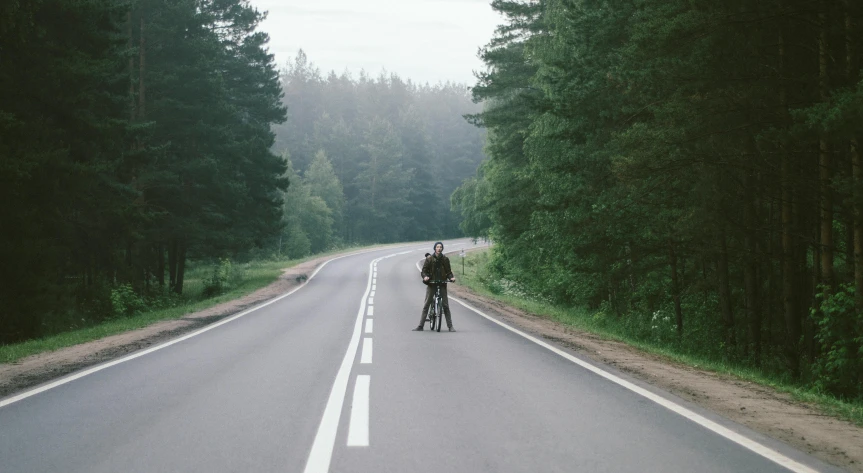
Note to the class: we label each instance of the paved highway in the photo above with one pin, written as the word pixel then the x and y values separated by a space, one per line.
pixel 330 378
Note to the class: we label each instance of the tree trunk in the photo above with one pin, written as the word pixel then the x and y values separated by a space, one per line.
pixel 753 312
pixel 825 162
pixel 142 56
pixel 856 168
pixel 675 289
pixel 131 69
pixel 725 293
pixel 858 224
pixel 814 288
pixel 848 211
pixel 630 271
pixel 789 296
pixel 172 263
pixel 181 266
pixel 160 264
pixel 772 244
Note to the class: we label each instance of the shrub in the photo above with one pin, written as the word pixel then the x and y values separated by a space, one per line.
pixel 125 301
pixel 839 368
pixel 218 283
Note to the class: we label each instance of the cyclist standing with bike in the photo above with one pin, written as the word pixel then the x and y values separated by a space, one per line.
pixel 436 272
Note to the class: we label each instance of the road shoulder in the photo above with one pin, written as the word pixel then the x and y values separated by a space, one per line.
pixel 759 408
pixel 43 367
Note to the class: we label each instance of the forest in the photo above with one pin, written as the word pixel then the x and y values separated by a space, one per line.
pixel 139 138
pixel 687 168
pixel 379 156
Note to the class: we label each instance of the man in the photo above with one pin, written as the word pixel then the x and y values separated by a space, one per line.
pixel 436 268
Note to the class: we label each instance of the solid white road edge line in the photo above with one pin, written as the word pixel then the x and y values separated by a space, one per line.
pixel 729 434
pixel 358 432
pixel 81 374
pixel 366 357
pixel 322 449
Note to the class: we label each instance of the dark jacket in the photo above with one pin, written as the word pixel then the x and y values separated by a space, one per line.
pixel 437 268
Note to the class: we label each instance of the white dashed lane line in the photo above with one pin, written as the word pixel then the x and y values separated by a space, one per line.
pixel 358 432
pixel 321 453
pixel 366 357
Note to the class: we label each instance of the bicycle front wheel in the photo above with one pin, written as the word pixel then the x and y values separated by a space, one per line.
pixel 432 319
pixel 439 312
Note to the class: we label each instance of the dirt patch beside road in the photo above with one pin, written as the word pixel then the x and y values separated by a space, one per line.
pixel 760 408
pixel 38 369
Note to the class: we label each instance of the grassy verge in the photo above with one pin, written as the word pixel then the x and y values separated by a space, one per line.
pixel 245 279
pixel 476 277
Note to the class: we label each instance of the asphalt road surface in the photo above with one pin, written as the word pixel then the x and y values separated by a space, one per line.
pixel 330 378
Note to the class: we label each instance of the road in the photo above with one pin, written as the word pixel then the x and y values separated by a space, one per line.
pixel 331 379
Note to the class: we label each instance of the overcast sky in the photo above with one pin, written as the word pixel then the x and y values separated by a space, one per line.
pixel 421 40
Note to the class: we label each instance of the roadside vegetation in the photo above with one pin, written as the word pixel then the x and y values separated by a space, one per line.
pixel 653 333
pixel 688 171
pixel 208 284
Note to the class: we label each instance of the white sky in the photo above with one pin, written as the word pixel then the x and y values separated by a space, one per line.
pixel 421 40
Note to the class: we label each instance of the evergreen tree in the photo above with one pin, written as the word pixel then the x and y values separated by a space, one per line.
pixel 307 221
pixel 323 183
pixel 697 159
pixel 129 131
pixel 382 184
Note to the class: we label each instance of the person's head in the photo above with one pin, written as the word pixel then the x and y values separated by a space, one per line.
pixel 428 254
pixel 438 248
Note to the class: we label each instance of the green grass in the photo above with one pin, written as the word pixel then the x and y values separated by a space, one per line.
pixel 245 279
pixel 477 277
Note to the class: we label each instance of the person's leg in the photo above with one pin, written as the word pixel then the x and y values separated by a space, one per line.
pixel 428 301
pixel 445 303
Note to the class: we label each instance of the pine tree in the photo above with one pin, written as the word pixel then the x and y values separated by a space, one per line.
pixel 323 183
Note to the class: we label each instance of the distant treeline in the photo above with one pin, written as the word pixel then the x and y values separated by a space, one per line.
pixel 383 155
pixel 687 166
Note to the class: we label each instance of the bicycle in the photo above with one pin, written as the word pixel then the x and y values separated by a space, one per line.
pixel 436 310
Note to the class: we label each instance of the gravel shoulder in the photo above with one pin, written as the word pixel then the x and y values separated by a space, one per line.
pixel 760 408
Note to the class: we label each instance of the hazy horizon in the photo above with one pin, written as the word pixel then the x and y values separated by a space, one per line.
pixel 421 40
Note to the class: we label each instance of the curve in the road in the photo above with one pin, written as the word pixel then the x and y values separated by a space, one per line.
pixel 95 369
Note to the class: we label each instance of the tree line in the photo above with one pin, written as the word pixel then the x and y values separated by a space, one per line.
pixel 134 136
pixel 375 159
pixel 690 163
pixel 137 136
